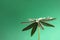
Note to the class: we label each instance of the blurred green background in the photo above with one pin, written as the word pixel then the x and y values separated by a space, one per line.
pixel 12 12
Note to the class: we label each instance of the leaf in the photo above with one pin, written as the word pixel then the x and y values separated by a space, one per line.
pixel 24 22
pixel 34 28
pixel 47 24
pixel 40 25
pixel 28 27
pixel 47 19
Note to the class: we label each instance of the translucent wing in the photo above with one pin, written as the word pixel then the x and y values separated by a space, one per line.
pixel 34 28
pixel 47 24
pixel 28 27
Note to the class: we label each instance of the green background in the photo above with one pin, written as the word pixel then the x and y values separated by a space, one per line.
pixel 12 12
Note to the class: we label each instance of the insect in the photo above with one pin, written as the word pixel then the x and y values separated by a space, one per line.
pixel 40 22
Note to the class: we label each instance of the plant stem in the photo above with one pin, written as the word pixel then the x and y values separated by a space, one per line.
pixel 38 33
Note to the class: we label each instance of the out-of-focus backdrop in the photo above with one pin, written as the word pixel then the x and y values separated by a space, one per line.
pixel 12 12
